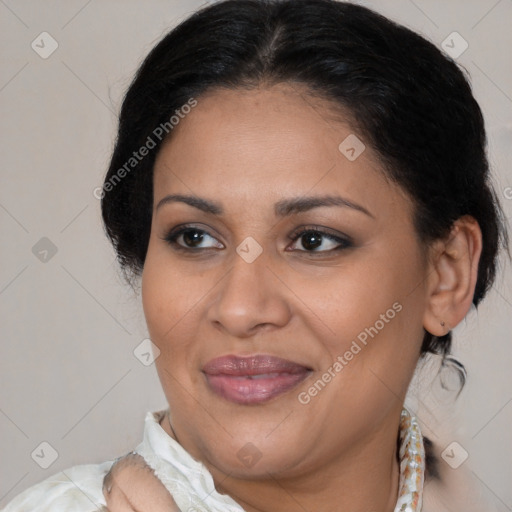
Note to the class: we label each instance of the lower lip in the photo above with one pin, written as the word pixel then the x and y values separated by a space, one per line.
pixel 242 390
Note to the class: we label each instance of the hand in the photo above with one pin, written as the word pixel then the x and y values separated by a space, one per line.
pixel 131 486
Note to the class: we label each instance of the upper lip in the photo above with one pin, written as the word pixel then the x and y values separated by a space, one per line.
pixel 251 365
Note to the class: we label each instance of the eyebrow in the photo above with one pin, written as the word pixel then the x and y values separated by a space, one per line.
pixel 282 208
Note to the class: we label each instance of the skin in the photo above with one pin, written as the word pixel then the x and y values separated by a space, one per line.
pixel 248 149
pixel 129 474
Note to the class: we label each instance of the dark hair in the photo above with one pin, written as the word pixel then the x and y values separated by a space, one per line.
pixel 405 98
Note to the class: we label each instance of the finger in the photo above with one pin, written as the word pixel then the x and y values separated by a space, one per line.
pixel 119 465
pixel 150 495
pixel 132 483
pixel 117 501
pixel 115 498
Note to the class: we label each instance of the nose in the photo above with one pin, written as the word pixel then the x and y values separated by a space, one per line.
pixel 249 298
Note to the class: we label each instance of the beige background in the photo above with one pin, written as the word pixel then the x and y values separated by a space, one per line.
pixel 69 325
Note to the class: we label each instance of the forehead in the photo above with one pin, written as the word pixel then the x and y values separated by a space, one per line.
pixel 281 122
pixel 246 145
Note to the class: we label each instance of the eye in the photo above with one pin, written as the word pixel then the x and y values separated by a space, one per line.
pixel 191 239
pixel 313 237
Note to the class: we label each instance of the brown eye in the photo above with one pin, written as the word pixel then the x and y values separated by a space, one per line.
pixel 190 238
pixel 313 238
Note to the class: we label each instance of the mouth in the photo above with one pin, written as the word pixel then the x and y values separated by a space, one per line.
pixel 253 379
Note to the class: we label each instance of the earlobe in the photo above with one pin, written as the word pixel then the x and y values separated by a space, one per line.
pixel 452 276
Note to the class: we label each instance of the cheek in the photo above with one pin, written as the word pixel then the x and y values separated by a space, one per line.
pixel 355 297
pixel 168 309
pixel 373 310
pixel 166 299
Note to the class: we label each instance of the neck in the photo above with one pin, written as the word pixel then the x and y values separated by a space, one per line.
pixel 364 477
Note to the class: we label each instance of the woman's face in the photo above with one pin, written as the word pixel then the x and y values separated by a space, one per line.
pixel 318 335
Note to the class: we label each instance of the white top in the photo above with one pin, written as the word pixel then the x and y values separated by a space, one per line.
pixel 79 488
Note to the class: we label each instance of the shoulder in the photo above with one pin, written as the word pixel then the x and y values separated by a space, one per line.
pixel 76 489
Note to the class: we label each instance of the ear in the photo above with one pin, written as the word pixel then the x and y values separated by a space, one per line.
pixel 452 276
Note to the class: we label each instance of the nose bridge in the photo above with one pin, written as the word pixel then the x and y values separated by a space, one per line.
pixel 249 294
pixel 247 279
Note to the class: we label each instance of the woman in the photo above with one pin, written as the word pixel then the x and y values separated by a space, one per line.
pixel 303 190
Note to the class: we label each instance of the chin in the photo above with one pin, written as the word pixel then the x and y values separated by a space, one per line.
pixel 250 462
pixel 255 456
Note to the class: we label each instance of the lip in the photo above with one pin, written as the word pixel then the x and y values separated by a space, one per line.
pixel 253 379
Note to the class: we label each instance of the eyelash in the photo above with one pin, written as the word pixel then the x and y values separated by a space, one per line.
pixel 345 243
